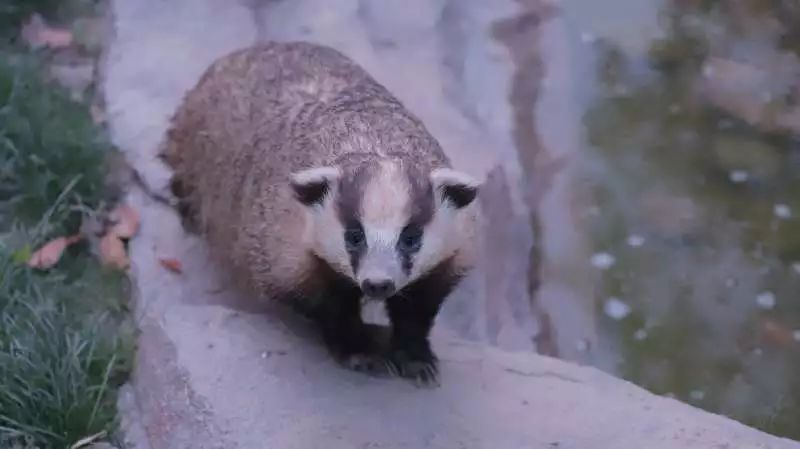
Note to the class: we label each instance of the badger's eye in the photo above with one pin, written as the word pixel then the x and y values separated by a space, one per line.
pixel 354 237
pixel 410 239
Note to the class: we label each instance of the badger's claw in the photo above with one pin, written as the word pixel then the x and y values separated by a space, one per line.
pixel 424 372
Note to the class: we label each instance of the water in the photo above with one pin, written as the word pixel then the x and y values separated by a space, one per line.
pixel 687 158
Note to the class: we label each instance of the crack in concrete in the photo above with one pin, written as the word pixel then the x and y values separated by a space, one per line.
pixel 543 374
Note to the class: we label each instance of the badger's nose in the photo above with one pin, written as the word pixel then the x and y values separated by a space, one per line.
pixel 378 288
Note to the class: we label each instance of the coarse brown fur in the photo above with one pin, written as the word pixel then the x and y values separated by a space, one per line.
pixel 260 114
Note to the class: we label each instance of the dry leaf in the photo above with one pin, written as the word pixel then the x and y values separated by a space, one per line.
pixel 173 265
pixel 38 34
pixel 126 222
pixel 98 114
pixel 776 333
pixel 55 38
pixel 50 253
pixel 112 252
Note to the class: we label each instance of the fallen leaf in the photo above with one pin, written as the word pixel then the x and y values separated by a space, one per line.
pixel 126 222
pixel 98 114
pixel 38 34
pixel 56 38
pixel 173 265
pixel 776 333
pixel 50 253
pixel 112 252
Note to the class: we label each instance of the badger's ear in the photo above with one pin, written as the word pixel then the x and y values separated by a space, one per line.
pixel 454 187
pixel 310 186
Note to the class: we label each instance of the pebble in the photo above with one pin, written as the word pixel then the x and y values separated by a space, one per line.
pixel 697 395
pixel 640 335
pixel 796 335
pixel 782 211
pixel 603 261
pixel 796 267
pixel 616 309
pixel 766 300
pixel 708 71
pixel 635 240
pixel 738 176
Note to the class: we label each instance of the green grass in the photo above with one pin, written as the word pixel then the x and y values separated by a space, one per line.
pixel 47 142
pixel 65 335
pixel 13 13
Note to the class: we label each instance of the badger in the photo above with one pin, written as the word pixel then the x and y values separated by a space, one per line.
pixel 313 184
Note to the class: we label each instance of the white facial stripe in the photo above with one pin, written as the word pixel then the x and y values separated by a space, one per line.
pixel 328 242
pixel 317 174
pixel 382 237
pixel 448 176
pixel 444 234
pixel 384 213
pixel 379 263
pixel 386 198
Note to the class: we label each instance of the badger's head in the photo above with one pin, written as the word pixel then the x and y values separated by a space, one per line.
pixel 385 224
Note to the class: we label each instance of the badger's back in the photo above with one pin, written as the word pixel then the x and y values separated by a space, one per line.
pixel 256 116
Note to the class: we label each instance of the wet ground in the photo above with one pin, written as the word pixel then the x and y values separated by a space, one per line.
pixel 687 181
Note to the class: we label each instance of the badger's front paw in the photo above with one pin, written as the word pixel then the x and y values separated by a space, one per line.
pixel 424 373
pixel 422 369
pixel 367 363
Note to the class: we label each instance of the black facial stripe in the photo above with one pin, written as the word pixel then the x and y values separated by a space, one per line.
pixel 356 250
pixel 420 213
pixel 421 204
pixel 407 264
pixel 409 242
pixel 351 192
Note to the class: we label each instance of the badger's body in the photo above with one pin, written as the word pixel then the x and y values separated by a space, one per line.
pixel 312 183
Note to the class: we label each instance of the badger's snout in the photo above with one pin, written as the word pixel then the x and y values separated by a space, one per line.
pixel 379 274
pixel 378 288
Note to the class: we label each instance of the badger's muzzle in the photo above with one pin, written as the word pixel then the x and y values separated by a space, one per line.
pixel 379 273
pixel 378 288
